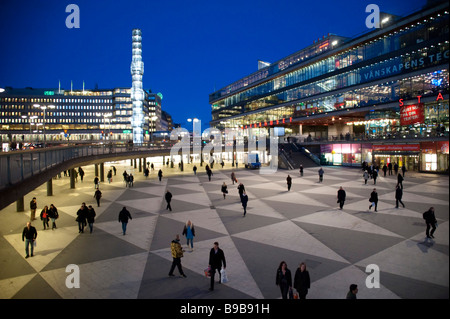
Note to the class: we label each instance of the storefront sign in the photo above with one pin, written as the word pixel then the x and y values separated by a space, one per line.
pixel 397 147
pixel 411 114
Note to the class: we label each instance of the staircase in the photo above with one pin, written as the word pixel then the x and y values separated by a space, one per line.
pixel 293 155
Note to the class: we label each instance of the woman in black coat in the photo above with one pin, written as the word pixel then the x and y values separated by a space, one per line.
pixel 284 279
pixel 302 281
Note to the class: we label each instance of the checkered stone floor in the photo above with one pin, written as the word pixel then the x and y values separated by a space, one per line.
pixel 302 225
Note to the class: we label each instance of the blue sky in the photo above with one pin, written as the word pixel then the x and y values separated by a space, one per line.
pixel 190 48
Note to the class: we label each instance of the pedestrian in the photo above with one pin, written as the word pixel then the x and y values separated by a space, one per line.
pixel 341 197
pixel 152 167
pixel 195 170
pixel 400 180
pixel 189 232
pixel 81 172
pixel 125 177
pixel 224 189
pixel 289 182
pixel 396 168
pixel 44 217
pixel 302 281
pixel 29 235
pixel 301 170
pixel 284 279
pixel 352 292
pixel 81 218
pixel 374 176
pixel 222 163
pixel 366 177
pixel 390 168
pixel 209 172
pixel 320 175
pixel 109 176
pixel 130 180
pixel 90 217
pixel 97 196
pixel 168 198
pixel 124 215
pixel 403 170
pixel 384 169
pixel 244 201
pixel 241 189
pixel 53 214
pixel 398 196
pixel 430 220
pixel 373 199
pixel 115 170
pixel 233 177
pixel 33 207
pixel 96 182
pixel 160 174
pixel 146 172
pixel 216 261
pixel 177 254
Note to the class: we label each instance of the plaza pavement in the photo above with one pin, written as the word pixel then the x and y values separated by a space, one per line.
pixel 303 225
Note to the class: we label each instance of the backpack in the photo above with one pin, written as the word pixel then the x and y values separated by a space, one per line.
pixel 425 215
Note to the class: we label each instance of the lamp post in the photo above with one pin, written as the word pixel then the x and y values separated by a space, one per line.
pixel 44 108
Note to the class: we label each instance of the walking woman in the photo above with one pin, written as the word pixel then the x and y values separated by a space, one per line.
pixel 189 232
pixel 284 279
pixel 302 281
pixel 45 217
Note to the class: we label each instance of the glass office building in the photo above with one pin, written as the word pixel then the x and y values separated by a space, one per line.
pixel 387 86
pixel 76 115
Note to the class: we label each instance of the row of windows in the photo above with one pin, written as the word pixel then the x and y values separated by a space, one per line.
pixel 435 27
pixel 411 61
pixel 407 88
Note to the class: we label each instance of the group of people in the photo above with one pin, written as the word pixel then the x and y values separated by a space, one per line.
pixel 47 214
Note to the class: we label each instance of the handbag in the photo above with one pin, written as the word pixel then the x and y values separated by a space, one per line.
pixel 207 272
pixel 223 276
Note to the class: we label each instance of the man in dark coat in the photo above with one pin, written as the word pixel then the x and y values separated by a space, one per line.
pixel 374 176
pixel 398 196
pixel 400 180
pixel 216 260
pixel 29 235
pixel 81 217
pixel 241 189
pixel 244 201
pixel 373 199
pixel 390 168
pixel 384 169
pixel 168 197
pixel 430 220
pixel 124 215
pixel 341 197
pixel 160 174
pixel 289 182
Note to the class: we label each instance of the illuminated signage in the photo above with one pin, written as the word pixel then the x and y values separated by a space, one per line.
pixel 49 93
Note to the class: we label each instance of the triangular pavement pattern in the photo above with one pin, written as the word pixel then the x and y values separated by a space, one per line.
pixel 296 197
pixel 288 235
pixel 240 277
pixel 11 286
pixel 53 242
pixel 150 205
pixel 139 230
pixel 336 286
pixel 327 190
pixel 419 266
pixel 116 278
pixel 414 198
pixel 206 218
pixel 340 219
pixel 254 207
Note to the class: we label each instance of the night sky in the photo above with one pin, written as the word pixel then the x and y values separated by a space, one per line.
pixel 190 48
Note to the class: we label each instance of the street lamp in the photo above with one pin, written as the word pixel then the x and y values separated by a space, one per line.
pixel 44 108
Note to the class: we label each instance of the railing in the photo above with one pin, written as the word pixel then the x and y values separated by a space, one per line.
pixel 310 155
pixel 19 165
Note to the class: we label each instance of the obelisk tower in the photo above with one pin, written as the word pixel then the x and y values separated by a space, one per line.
pixel 137 92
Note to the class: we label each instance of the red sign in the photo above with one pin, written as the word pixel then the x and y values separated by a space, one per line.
pixel 411 114
pixel 397 147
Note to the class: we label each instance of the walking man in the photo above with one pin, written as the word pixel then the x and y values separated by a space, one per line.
pixel 244 201
pixel 374 175
pixel 81 218
pixel 390 168
pixel 195 170
pixel 124 215
pixel 241 190
pixel 430 220
pixel 90 218
pixel 373 199
pixel 320 175
pixel 341 197
pixel 160 174
pixel 216 260
pixel 177 253
pixel 301 170
pixel 398 196
pixel 384 169
pixel 400 180
pixel 97 196
pixel 33 206
pixel 224 189
pixel 168 197
pixel 29 235
pixel 289 182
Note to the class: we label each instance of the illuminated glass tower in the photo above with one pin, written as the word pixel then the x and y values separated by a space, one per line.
pixel 137 93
